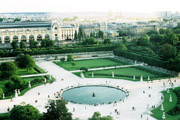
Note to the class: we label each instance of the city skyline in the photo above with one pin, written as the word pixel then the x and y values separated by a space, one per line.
pixel 140 6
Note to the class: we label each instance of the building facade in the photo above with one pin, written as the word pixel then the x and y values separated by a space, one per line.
pixel 25 31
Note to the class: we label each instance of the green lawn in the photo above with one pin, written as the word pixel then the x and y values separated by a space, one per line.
pixel 91 63
pixel 157 113
pixel 126 73
pixel 35 70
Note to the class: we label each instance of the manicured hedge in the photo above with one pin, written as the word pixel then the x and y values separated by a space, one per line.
pixel 40 51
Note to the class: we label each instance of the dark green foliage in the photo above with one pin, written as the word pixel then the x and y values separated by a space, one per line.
pixel 25 61
pixel 14 44
pixel 47 43
pixel 8 69
pixel 107 41
pixel 143 40
pixel 84 69
pixel 17 19
pixel 176 109
pixel 70 58
pixel 122 33
pixel 1 92
pixel 56 110
pixel 171 38
pixel 156 38
pixel 120 50
pixel 27 112
pixel 32 44
pixel 152 32
pixel 15 82
pixel 89 41
pixel 97 116
pixel 62 59
pixel 22 45
pixel 168 51
pixel 76 35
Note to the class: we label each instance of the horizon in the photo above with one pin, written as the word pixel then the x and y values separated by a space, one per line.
pixel 138 6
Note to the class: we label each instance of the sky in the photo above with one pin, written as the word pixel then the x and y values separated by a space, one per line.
pixel 142 6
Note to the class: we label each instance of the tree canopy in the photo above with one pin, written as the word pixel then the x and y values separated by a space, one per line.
pixel 8 69
pixel 97 116
pixel 25 61
pixel 56 110
pixel 27 112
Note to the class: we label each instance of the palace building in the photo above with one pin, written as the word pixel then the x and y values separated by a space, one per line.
pixel 25 31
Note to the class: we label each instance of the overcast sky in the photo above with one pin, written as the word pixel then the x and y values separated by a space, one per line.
pixel 88 5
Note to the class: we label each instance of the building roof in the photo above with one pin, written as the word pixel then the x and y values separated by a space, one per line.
pixel 25 24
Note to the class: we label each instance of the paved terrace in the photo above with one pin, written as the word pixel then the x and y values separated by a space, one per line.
pixel 136 97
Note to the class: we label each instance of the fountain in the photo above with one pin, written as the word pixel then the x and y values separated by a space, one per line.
pixel 93 94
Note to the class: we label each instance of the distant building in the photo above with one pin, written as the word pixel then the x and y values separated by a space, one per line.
pixel 25 31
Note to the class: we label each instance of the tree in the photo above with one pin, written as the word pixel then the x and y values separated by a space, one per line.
pixel 124 39
pixel 25 61
pixel 47 43
pixel 14 44
pixel 107 41
pixel 62 59
pixel 156 38
pixel 56 110
pixel 70 58
pixel 75 35
pixel 32 44
pixel 162 31
pixel 15 82
pixel 168 51
pixel 143 40
pixel 101 34
pixel 152 32
pixel 122 33
pixel 1 92
pixel 8 69
pixel 89 41
pixel 22 45
pixel 27 112
pixel 97 116
pixel 171 38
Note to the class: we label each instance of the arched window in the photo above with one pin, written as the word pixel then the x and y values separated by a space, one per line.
pixel 15 38
pixel 39 37
pixel 47 37
pixel 23 38
pixel 31 37
pixel 7 39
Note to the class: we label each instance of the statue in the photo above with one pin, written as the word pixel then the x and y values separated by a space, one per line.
pixel 93 95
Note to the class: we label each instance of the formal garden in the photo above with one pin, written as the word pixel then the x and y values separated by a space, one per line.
pixel 11 79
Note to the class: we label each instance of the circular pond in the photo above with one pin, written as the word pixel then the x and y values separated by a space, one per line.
pixel 93 95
